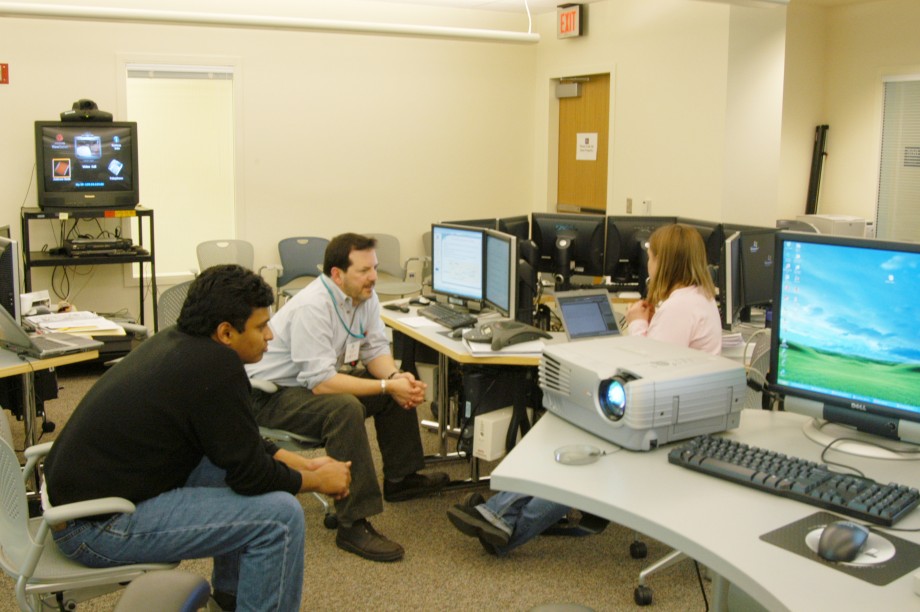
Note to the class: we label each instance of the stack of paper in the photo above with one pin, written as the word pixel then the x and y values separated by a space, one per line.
pixel 484 349
pixel 80 322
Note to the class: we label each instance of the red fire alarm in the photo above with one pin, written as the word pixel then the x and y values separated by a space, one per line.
pixel 568 20
pixel 4 74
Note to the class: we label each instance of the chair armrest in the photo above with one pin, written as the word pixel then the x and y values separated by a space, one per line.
pixel 90 507
pixel 38 450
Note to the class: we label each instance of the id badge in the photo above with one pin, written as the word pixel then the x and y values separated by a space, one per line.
pixel 352 350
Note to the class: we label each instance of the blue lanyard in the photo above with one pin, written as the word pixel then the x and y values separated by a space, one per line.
pixel 335 305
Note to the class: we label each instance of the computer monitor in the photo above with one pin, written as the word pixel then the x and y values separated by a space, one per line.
pixel 846 345
pixel 757 259
pixel 480 223
pixel 713 238
pixel 729 285
pixel 518 226
pixel 86 165
pixel 457 264
pixel 500 273
pixel 627 247
pixel 9 277
pixel 569 244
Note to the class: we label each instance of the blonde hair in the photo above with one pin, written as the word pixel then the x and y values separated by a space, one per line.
pixel 681 256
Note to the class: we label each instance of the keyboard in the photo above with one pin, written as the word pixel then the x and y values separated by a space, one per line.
pixel 447 316
pixel 806 481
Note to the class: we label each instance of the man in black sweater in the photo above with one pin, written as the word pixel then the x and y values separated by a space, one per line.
pixel 170 428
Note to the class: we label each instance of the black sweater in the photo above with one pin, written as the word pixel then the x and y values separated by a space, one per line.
pixel 147 423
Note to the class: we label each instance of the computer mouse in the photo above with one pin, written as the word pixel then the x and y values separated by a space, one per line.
pixel 507 333
pixel 842 541
pixel 399 307
pixel 420 301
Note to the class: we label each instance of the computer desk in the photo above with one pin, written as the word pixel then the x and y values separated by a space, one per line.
pixel 715 522
pixel 449 349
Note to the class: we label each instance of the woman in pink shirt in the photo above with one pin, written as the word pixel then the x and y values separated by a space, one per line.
pixel 680 307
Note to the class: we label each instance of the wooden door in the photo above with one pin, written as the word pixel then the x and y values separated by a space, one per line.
pixel 584 132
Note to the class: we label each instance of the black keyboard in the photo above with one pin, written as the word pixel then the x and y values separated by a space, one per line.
pixel 447 316
pixel 854 496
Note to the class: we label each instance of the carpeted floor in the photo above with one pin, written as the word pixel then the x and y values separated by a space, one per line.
pixel 442 569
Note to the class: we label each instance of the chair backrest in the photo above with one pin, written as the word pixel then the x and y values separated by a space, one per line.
pixel 388 255
pixel 214 252
pixel 14 512
pixel 170 304
pixel 301 256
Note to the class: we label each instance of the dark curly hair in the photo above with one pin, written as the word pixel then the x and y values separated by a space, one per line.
pixel 338 251
pixel 223 293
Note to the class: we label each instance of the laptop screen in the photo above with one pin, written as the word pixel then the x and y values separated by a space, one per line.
pixel 587 314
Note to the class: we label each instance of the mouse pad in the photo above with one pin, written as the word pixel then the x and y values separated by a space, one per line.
pixel 905 559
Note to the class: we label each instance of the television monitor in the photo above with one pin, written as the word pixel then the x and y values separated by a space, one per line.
pixel 627 248
pixel 9 277
pixel 86 165
pixel 518 226
pixel 845 346
pixel 569 244
pixel 480 223
pixel 457 264
pixel 500 276
pixel 729 285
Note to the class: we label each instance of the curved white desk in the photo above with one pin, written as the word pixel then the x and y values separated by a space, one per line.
pixel 718 523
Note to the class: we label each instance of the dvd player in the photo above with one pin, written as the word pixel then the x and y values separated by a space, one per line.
pixel 96 245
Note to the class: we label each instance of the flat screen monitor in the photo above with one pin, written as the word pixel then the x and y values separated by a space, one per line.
pixel 627 247
pixel 569 244
pixel 9 277
pixel 86 165
pixel 757 259
pixel 500 273
pixel 845 346
pixel 456 264
pixel 518 226
pixel 729 285
pixel 713 237
pixel 480 223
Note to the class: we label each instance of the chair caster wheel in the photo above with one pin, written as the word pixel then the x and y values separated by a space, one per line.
pixel 643 596
pixel 330 521
pixel 638 550
pixel 434 409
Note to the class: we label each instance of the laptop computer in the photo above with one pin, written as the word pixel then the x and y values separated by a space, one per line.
pixel 15 339
pixel 587 314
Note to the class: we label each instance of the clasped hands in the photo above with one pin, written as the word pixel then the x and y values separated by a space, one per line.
pixel 406 390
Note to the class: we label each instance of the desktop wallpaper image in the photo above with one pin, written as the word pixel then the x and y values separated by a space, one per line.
pixel 849 322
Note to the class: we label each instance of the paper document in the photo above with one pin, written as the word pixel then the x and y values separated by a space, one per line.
pixel 80 322
pixel 484 349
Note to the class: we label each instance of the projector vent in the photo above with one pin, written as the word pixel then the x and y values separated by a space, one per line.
pixel 553 376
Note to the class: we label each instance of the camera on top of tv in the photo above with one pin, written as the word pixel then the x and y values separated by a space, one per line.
pixel 85 110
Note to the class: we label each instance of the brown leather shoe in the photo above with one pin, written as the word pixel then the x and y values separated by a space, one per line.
pixel 363 540
pixel 414 485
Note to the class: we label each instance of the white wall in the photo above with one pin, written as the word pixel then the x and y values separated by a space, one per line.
pixel 865 42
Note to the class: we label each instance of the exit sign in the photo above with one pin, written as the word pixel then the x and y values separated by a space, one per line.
pixel 568 21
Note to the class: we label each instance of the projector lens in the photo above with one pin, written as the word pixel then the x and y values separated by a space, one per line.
pixel 613 398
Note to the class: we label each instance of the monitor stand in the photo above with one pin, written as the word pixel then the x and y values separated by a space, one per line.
pixel 858 443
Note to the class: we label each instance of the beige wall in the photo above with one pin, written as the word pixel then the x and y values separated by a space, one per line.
pixel 864 43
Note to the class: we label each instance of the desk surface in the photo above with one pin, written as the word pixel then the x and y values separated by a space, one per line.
pixel 12 365
pixel 718 523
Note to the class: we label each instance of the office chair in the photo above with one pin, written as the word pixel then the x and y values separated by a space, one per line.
pixel 169 304
pixel 28 554
pixel 301 262
pixel 391 270
pixel 213 252
pixel 167 591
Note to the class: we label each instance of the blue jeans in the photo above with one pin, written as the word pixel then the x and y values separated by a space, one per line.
pixel 521 516
pixel 257 542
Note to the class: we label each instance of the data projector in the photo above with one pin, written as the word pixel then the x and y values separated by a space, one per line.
pixel 640 393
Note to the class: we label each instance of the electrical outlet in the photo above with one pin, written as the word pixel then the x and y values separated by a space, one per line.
pixel 646 207
pixel 628 206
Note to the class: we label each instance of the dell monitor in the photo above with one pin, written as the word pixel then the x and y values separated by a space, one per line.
pixel 627 248
pixel 713 238
pixel 9 277
pixel 757 259
pixel 845 347
pixel 518 226
pixel 480 223
pixel 729 283
pixel 500 273
pixel 457 264
pixel 87 164
pixel 569 244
